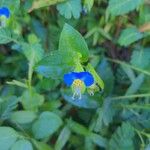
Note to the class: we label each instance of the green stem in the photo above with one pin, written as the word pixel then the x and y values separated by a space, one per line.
pixel 130 66
pixel 140 136
pixel 30 72
pixel 130 96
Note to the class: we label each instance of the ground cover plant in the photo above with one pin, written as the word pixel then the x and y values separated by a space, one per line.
pixel 74 75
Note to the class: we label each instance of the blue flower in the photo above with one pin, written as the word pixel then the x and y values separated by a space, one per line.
pixel 4 11
pixel 78 81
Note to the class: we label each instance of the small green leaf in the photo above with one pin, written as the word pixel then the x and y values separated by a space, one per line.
pixel 6 36
pixel 144 15
pixel 46 125
pixel 22 145
pixel 18 83
pixel 122 139
pixel 33 51
pixel 57 63
pixel 7 105
pixel 41 145
pixel 129 36
pixel 121 7
pixel 63 138
pixel 70 8
pixel 104 115
pixel 72 40
pixel 141 58
pixel 8 136
pixel 136 84
pixel 88 4
pixel 98 140
pixel 105 71
pixel 78 128
pixel 23 117
pixel 31 100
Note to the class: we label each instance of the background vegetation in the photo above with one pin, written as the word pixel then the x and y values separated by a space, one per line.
pixel 42 40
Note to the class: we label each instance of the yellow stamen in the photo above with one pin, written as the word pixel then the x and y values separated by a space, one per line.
pixel 77 83
pixel 77 88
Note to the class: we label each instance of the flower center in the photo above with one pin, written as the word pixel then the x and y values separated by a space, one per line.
pixel 77 88
pixel 77 83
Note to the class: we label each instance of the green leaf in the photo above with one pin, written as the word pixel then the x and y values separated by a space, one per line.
pixel 22 145
pixel 18 83
pixel 105 71
pixel 63 138
pixel 70 8
pixel 31 100
pixel 23 117
pixel 129 72
pixel 121 7
pixel 86 101
pixel 144 14
pixel 141 58
pixel 122 139
pixel 97 78
pixel 78 128
pixel 72 40
pixel 6 36
pixel 136 84
pixel 33 51
pixel 8 136
pixel 46 125
pixel 129 36
pixel 40 3
pixel 7 105
pixel 88 4
pixel 57 63
pixel 41 145
pixel 105 115
pixel 98 140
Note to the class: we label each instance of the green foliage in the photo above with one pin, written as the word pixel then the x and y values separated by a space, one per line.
pixel 72 40
pixel 88 4
pixel 45 39
pixel 6 35
pixel 8 136
pixel 40 3
pixel 129 35
pixel 7 105
pixel 33 51
pixel 46 125
pixel 63 138
pixel 141 58
pixel 57 63
pixel 23 117
pixel 122 139
pixel 120 7
pixel 70 8
pixel 31 100
pixel 22 145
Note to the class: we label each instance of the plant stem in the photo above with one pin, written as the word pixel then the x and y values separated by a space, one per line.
pixel 30 72
pixel 130 66
pixel 130 96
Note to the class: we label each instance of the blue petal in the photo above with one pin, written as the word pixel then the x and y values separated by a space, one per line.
pixel 4 11
pixel 86 77
pixel 69 78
